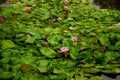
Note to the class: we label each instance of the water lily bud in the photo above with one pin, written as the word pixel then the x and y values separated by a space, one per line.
pixel 2 19
pixel 74 38
pixel 66 7
pixel 27 10
pixel 45 42
pixel 28 35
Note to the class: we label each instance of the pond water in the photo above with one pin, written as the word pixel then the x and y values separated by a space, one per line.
pixel 92 4
pixel 109 4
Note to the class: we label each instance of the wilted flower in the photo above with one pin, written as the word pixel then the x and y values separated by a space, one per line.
pixel 74 38
pixel 45 42
pixel 82 38
pixel 28 35
pixel 2 19
pixel 66 7
pixel 51 20
pixel 83 48
pixel 59 18
pixel 27 10
pixel 64 49
pixel 66 1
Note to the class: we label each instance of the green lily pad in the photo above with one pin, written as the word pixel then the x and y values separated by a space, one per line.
pixel 96 78
pixel 48 52
pixel 7 44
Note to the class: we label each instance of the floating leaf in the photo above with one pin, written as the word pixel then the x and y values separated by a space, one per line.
pixel 84 54
pixel 58 71
pixel 87 60
pixel 102 48
pixel 5 60
pixel 74 53
pixel 96 78
pixel 104 40
pixel 54 39
pixel 43 66
pixel 48 52
pixel 30 39
pixel 6 74
pixel 67 42
pixel 44 63
pixel 117 45
pixel 94 40
pixel 28 59
pixel 117 70
pixel 111 56
pixel 7 44
pixel 91 70
pixel 43 69
pixel 87 65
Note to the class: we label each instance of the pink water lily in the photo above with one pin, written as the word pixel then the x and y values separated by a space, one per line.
pixel 64 49
pixel 74 38
pixel 2 19
pixel 66 1
pixel 66 7
pixel 27 10
pixel 28 35
pixel 59 18
pixel 45 42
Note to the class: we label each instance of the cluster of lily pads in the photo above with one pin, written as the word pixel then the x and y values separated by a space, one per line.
pixel 58 40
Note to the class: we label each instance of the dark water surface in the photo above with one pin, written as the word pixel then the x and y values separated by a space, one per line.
pixel 109 4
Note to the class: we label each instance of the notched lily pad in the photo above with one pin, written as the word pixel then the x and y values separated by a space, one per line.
pixel 96 78
pixel 48 52
pixel 7 44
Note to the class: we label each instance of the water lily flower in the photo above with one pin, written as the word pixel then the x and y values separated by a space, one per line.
pixel 74 38
pixel 71 28
pixel 27 10
pixel 83 48
pixel 45 42
pixel 66 1
pixel 59 18
pixel 2 19
pixel 66 7
pixel 64 49
pixel 28 35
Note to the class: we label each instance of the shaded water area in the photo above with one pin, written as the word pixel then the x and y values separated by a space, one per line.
pixel 109 4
